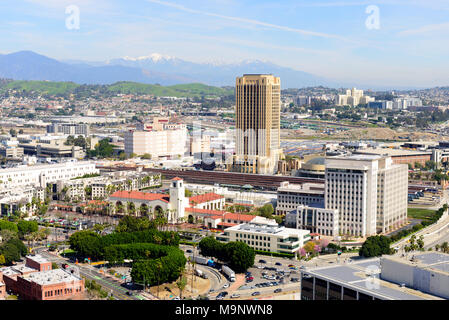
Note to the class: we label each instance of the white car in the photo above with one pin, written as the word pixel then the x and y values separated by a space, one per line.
pixel 226 286
pixel 235 295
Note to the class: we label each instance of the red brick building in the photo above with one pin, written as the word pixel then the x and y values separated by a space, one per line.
pixel 2 290
pixel 36 280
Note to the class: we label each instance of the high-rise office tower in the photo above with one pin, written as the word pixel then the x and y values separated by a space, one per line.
pixel 257 110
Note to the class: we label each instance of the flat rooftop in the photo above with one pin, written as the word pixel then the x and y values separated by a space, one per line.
pixel 9 271
pixel 51 277
pixel 391 152
pixel 68 164
pixel 316 188
pixel 37 258
pixel 23 268
pixel 268 229
pixel 358 275
pixel 427 260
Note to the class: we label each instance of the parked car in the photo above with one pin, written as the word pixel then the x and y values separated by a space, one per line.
pixel 278 264
pixel 235 295
pixel 262 261
pixel 189 251
pixel 226 285
pixel 277 290
pixel 255 293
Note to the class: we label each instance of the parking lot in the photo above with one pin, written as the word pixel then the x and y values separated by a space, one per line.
pixel 264 275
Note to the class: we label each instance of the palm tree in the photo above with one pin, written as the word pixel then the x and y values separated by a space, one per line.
pixel 181 283
pixel 159 268
pixel 445 247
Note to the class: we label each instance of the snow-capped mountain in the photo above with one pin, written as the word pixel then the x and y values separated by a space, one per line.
pixel 219 73
pixel 153 68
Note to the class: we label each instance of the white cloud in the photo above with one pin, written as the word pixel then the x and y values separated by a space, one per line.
pixel 442 27
pixel 251 21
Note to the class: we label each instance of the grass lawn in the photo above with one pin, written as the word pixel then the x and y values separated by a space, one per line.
pixel 417 213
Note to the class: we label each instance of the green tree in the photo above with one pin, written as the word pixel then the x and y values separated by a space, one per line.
pixel 187 193
pixel 103 149
pixel 122 156
pixel 8 225
pixel 26 227
pixel 239 255
pixel 375 246
pixel 86 243
pixel 2 260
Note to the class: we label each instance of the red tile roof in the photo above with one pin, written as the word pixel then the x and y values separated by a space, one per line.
pixel 176 178
pixel 201 198
pixel 239 217
pixel 226 224
pixel 206 211
pixel 215 217
pixel 241 204
pixel 138 195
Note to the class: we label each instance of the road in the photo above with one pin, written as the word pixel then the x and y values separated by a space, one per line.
pixel 441 236
pixel 90 273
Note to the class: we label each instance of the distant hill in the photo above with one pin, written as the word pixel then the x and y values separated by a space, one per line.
pixel 66 88
pixel 152 69
pixel 28 65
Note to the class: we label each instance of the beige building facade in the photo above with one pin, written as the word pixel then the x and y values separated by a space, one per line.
pixel 257 127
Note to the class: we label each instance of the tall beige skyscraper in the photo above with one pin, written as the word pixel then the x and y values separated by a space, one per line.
pixel 257 111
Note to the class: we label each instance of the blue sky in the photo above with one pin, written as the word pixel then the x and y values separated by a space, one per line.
pixel 323 37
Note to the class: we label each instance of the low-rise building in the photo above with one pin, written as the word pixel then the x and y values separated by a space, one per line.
pixel 35 280
pixel 40 175
pixel 290 196
pixel 316 218
pixel 266 237
pixel 386 278
pixel 2 290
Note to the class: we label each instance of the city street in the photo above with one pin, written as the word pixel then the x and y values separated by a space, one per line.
pixel 91 273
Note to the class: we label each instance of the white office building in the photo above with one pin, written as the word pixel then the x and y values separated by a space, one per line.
pixel 289 196
pixel 316 219
pixel 40 175
pixel 369 192
pixel 267 237
pixel 73 129
pixel 171 141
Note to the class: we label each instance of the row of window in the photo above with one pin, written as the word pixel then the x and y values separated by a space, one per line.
pixel 252 236
pixel 60 292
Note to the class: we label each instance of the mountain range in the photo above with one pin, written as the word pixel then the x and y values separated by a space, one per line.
pixel 151 69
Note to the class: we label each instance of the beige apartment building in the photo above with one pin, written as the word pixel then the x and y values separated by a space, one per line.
pixel 257 110
pixel 159 139
pixel 353 97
